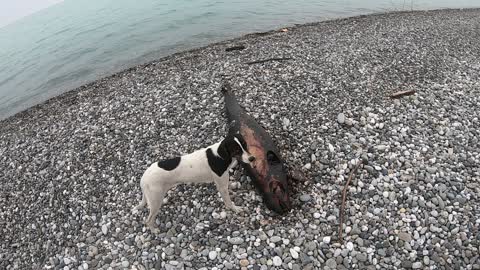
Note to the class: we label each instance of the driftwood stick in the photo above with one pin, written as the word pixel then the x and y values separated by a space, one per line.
pixel 344 197
pixel 402 94
pixel 269 59
pixel 235 48
pixel 260 34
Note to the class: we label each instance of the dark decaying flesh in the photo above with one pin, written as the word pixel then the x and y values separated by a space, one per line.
pixel 268 172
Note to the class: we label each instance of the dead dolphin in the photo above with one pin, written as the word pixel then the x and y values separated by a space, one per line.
pixel 268 174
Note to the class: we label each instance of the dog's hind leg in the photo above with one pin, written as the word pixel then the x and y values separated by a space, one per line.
pixel 142 203
pixel 154 201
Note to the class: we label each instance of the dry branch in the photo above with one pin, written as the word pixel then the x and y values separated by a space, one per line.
pixel 402 94
pixel 269 59
pixel 344 197
pixel 235 48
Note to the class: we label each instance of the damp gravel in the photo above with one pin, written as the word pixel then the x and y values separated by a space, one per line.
pixel 71 166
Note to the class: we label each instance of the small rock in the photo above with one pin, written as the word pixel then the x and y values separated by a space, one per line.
pixel 92 251
pixel 417 265
pixel 349 246
pixel 212 255
pixel 406 264
pixel 294 253
pixel 236 241
pixel 305 198
pixel 361 257
pixel 404 236
pixel 326 239
pixel 348 122
pixel 104 229
pixel 275 239
pixel 169 251
pixel 331 263
pixel 244 262
pixel 277 261
pixel 341 118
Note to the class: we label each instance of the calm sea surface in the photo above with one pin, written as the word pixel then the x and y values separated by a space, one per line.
pixel 74 42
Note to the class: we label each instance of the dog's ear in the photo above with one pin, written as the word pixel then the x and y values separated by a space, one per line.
pixel 231 146
pixel 240 139
pixel 223 149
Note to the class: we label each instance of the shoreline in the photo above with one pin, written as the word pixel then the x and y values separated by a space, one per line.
pixel 72 164
pixel 232 41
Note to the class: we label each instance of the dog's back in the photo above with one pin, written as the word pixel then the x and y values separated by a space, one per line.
pixel 190 168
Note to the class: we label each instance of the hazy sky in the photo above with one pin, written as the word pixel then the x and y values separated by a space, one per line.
pixel 12 10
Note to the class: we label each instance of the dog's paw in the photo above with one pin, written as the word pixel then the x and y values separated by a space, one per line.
pixel 237 209
pixel 152 227
pixel 155 230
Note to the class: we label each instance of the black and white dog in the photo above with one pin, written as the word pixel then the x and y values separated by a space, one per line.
pixel 211 164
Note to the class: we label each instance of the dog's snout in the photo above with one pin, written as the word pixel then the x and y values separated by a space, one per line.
pixel 251 158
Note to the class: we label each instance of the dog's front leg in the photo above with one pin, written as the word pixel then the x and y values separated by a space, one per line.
pixel 234 164
pixel 222 186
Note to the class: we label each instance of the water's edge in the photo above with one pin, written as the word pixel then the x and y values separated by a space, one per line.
pixel 33 106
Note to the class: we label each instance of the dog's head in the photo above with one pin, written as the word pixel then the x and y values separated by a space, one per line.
pixel 237 148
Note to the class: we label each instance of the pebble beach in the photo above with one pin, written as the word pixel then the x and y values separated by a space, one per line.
pixel 71 166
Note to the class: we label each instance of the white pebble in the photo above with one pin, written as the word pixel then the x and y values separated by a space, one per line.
pixel 341 118
pixel 104 229
pixel 294 253
pixel 330 147
pixel 349 246
pixel 277 261
pixel 326 239
pixel 212 255
pixel 417 265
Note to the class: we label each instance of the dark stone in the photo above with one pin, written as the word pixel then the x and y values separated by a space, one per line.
pixel 107 260
pixel 407 264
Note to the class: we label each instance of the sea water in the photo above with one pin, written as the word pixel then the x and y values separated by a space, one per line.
pixel 74 42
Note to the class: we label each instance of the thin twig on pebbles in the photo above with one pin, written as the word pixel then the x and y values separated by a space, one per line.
pixel 402 94
pixel 344 197
pixel 268 60
pixel 235 48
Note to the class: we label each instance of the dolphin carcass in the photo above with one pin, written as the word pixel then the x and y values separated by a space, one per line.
pixel 268 172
